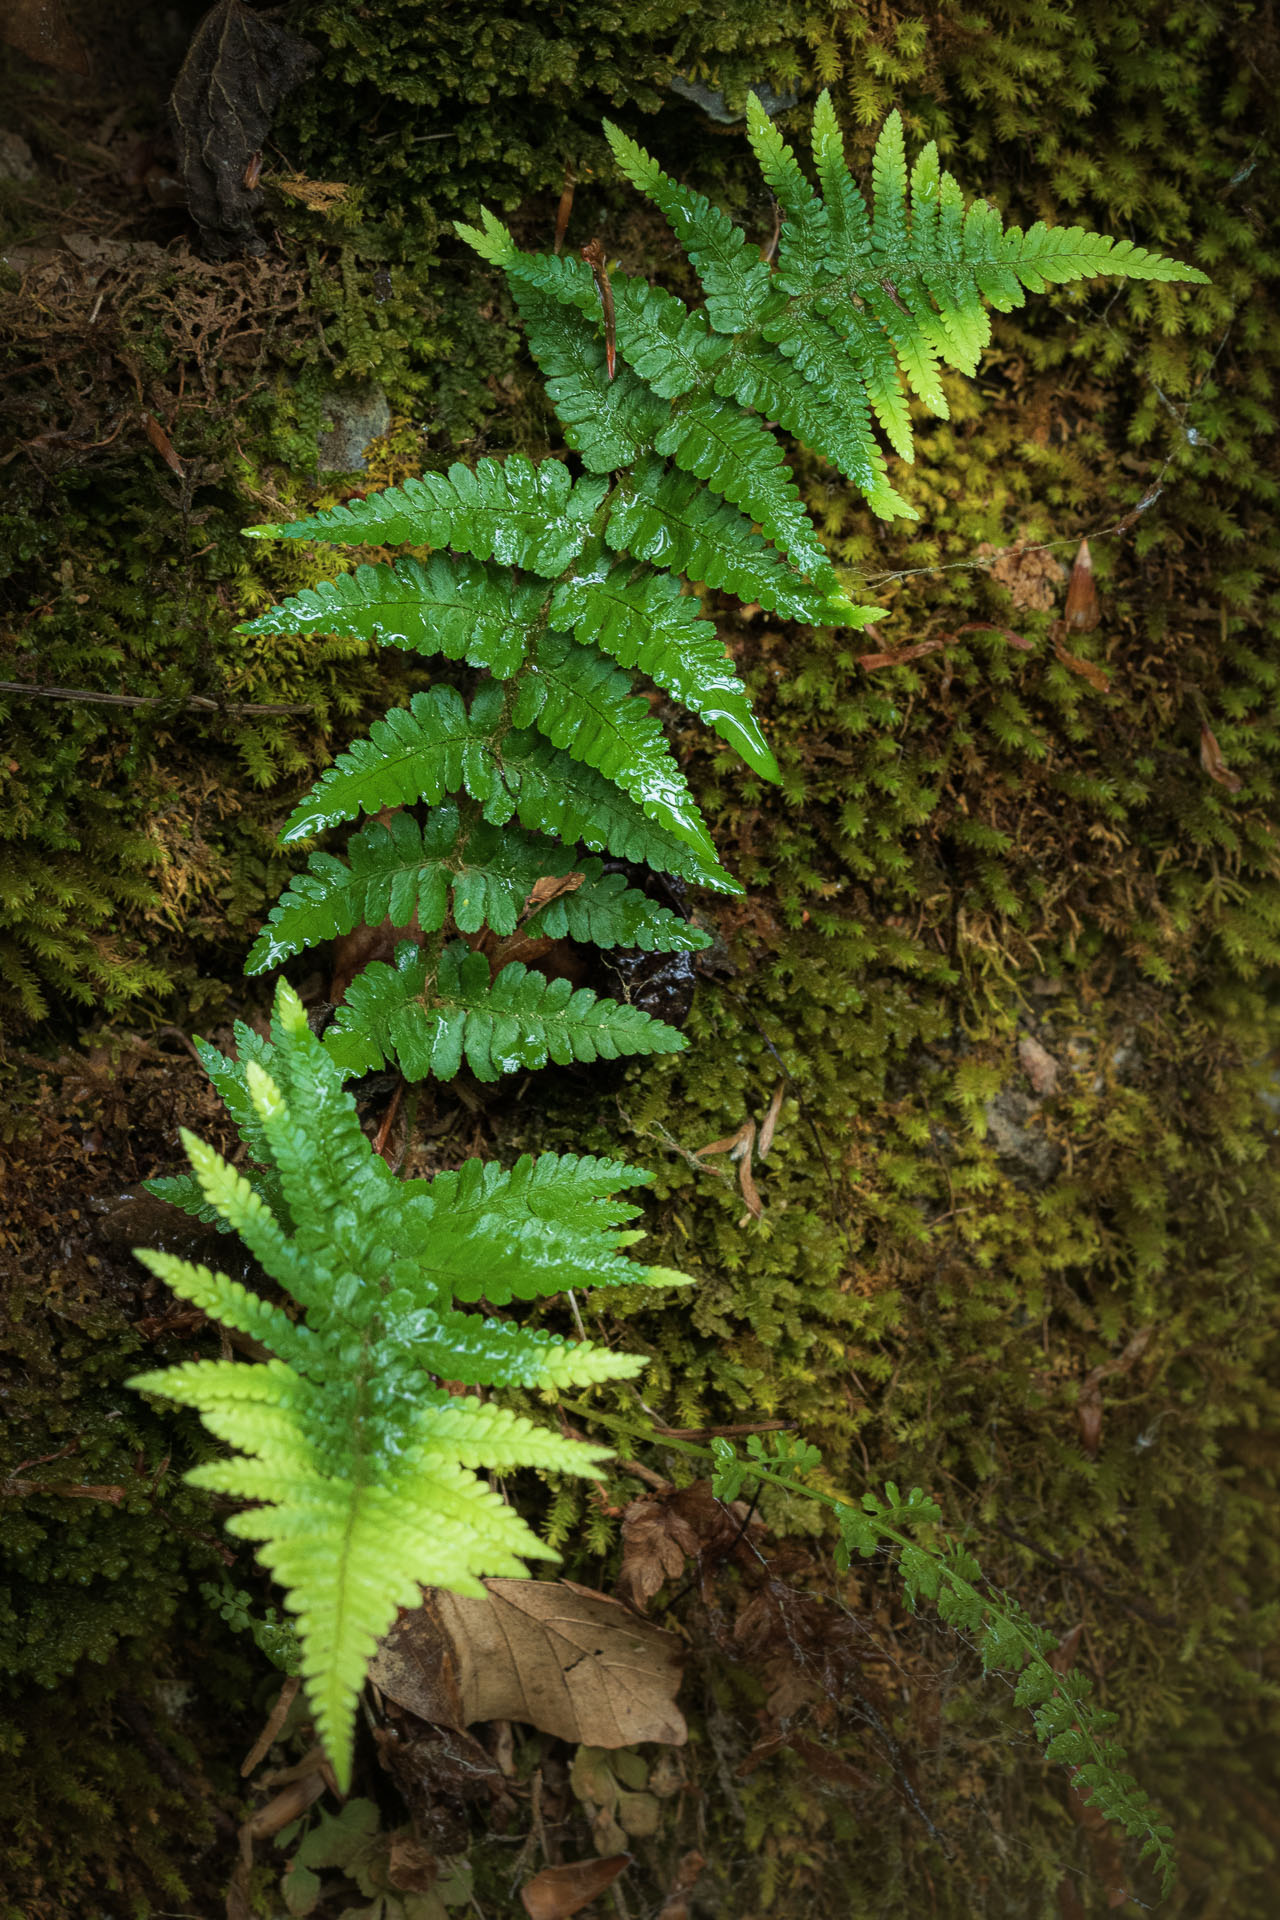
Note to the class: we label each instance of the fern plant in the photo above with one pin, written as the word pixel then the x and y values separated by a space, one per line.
pixel 565 584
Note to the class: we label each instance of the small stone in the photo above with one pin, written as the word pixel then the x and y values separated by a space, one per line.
pixel 356 415
pixel 15 158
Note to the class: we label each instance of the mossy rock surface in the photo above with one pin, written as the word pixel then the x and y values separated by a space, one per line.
pixel 1009 944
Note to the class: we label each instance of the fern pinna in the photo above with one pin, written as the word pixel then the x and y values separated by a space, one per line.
pixel 566 584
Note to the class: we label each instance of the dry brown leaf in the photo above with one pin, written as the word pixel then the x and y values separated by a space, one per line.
pixel 163 445
pixel 1089 1401
pixel 769 1125
pixel 1082 611
pixel 739 1146
pixel 317 196
pixel 557 1892
pixel 1087 669
pixel 411 1867
pixel 1039 1065
pixel 41 30
pixel 565 1659
pixel 1213 763
pixel 551 887
pixel 655 1540
pixel 688 1873
pixel 240 65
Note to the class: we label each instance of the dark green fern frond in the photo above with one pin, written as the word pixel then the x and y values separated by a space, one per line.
pixel 511 511
pixel 414 875
pixel 435 746
pixel 429 1023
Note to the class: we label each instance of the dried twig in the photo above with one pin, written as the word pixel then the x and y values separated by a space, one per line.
pixel 196 702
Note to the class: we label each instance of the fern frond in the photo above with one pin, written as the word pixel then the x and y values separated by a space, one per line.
pixel 644 620
pixel 608 423
pixel 361 1466
pixel 457 607
pixel 231 1303
pixel 734 278
pixel 667 517
pixel 434 747
pixel 606 912
pixel 410 874
pixel 511 511
pixel 429 1025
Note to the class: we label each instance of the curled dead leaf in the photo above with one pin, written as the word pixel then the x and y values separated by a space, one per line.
pixel 1086 669
pixel 558 1656
pixel 1213 763
pixel 163 445
pixel 688 1873
pixel 1082 611
pixel 557 1892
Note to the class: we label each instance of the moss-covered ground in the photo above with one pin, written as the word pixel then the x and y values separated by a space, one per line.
pixel 1009 945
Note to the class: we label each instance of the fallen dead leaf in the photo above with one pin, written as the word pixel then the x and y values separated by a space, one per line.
pixel 1039 1065
pixel 655 1541
pixel 1089 1399
pixel 769 1125
pixel 688 1873
pixel 240 65
pixel 739 1146
pixel 563 1658
pixel 163 445
pixel 557 1892
pixel 1213 763
pixel 41 30
pixel 1087 669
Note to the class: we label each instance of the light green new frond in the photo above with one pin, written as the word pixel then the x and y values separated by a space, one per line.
pixel 455 606
pixel 734 278
pixel 668 518
pixel 269 1385
pixel 605 912
pixel 434 747
pixel 244 1211
pixel 889 190
pixel 511 511
pixel 520 1020
pixel 586 706
pixel 643 620
pixel 231 1304
pixel 480 1434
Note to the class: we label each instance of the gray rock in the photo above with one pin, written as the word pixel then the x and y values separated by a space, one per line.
pixel 716 107
pixel 15 158
pixel 356 415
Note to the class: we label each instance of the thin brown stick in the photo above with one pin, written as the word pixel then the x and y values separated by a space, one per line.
pixel 724 1433
pixel 197 702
